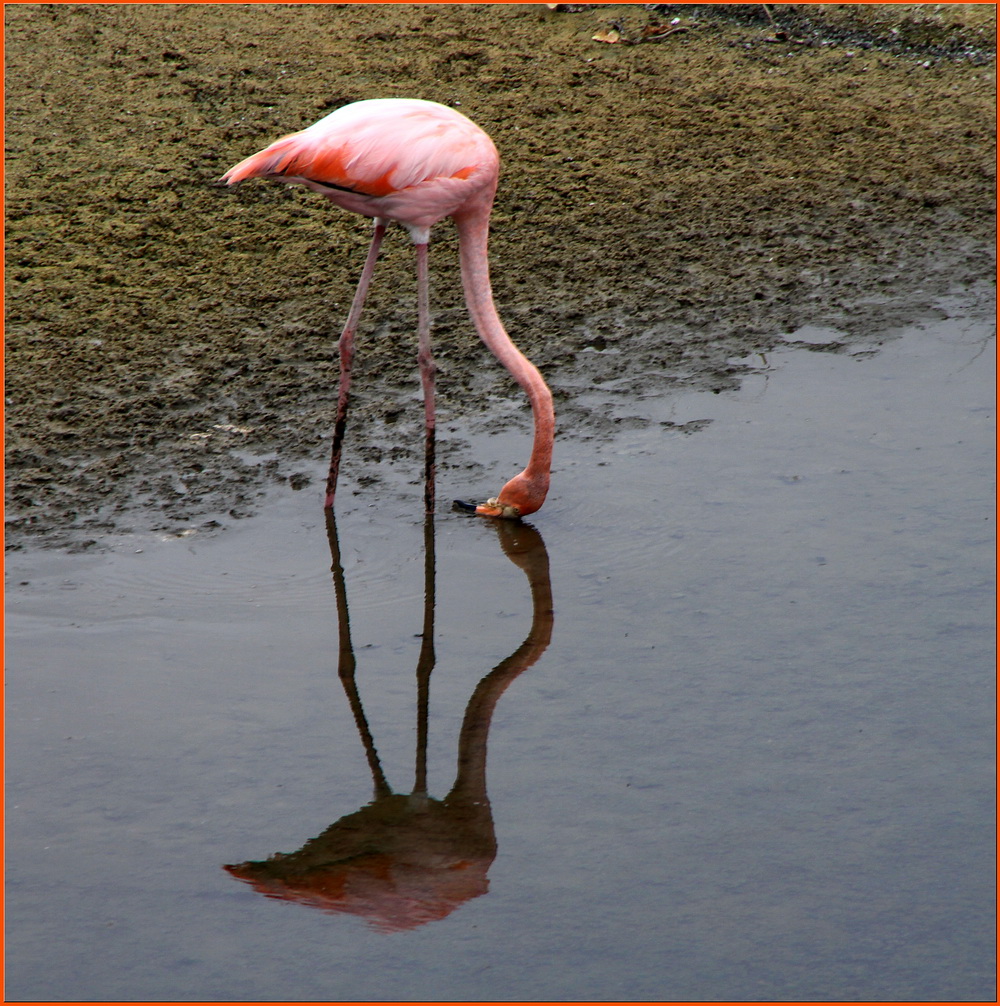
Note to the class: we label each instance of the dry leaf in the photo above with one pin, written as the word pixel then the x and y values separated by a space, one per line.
pixel 609 35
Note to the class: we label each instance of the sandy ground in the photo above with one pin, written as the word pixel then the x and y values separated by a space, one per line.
pixel 667 205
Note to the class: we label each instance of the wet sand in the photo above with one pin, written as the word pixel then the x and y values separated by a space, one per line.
pixel 666 206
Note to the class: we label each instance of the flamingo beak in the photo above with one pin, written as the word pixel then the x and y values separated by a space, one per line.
pixel 494 508
pixel 491 508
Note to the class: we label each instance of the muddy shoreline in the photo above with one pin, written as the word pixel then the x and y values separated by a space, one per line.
pixel 665 208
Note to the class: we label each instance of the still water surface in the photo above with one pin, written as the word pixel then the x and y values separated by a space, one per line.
pixel 736 684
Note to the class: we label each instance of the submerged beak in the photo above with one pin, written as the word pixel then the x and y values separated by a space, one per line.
pixel 491 508
pixel 494 508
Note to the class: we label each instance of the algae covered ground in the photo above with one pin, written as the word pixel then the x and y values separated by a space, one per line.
pixel 669 203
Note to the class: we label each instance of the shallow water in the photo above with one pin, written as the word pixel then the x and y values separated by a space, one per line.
pixel 752 762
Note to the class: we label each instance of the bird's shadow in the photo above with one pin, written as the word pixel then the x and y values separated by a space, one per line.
pixel 406 859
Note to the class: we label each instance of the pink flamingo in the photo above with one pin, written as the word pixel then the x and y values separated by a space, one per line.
pixel 416 162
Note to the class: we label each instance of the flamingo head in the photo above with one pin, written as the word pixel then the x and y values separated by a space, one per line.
pixel 522 495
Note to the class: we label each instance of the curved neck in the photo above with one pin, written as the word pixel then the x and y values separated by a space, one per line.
pixel 473 233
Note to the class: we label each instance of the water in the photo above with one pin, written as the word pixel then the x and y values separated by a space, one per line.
pixel 752 762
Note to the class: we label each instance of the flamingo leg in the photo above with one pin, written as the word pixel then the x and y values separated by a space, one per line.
pixel 347 359
pixel 427 372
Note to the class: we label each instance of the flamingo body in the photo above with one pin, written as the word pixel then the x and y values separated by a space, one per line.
pixel 403 159
pixel 416 162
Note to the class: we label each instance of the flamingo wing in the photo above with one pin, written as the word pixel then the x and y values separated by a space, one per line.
pixel 376 148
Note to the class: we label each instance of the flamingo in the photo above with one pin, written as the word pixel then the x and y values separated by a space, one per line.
pixel 416 162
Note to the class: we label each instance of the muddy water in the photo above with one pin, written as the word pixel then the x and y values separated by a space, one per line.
pixel 735 684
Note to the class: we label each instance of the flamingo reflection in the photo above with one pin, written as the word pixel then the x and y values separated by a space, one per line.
pixel 408 859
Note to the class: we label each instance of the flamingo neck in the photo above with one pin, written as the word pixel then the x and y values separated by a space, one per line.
pixel 473 233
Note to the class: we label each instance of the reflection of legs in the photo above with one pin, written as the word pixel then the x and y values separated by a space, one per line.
pixel 346 664
pixel 347 358
pixel 427 370
pixel 427 658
